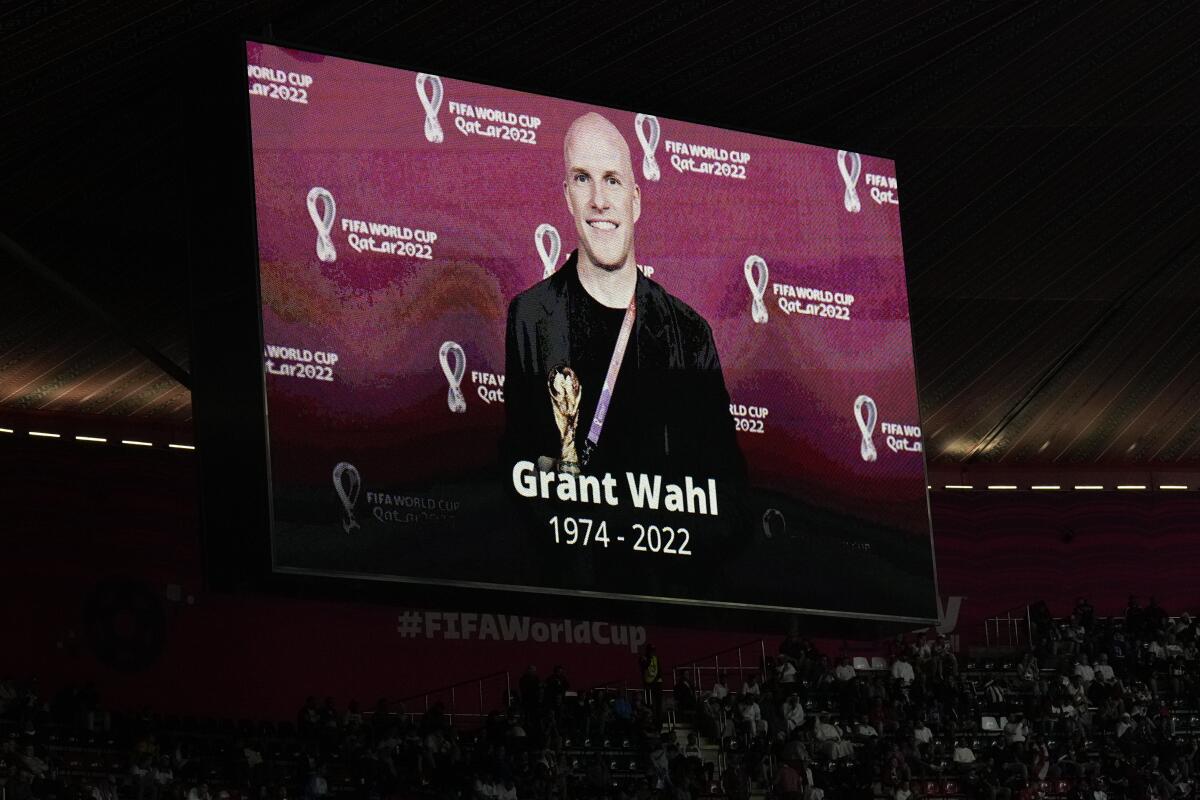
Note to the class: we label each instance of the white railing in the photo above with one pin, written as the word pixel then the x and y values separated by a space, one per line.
pixel 469 700
pixel 749 657
pixel 1010 629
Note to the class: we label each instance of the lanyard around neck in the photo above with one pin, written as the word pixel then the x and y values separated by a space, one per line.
pixel 610 380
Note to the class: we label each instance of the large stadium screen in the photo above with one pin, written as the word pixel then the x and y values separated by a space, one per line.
pixel 523 343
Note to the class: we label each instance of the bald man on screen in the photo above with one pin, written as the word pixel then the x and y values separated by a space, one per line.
pixel 666 408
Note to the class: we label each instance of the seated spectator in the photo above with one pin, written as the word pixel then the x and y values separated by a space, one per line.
pixel 793 712
pixel 720 689
pixel 1124 725
pixel 163 774
pixel 1084 612
pixel 1156 615
pixel 785 671
pixel 660 765
pixel 1016 731
pixel 830 741
pixel 34 764
pixel 922 735
pixel 1074 635
pixel 308 718
pixel 104 789
pixel 751 715
pixel 142 772
pixel 353 717
pixel 845 671
pixel 1103 671
pixel 643 716
pixel 902 670
pixel 1158 649
pixel 863 729
pixel 1076 693
pixel 329 717
pixel 943 652
pixel 794 750
pixel 824 676
pixel 751 685
pixel 964 756
pixel 1084 670
pixel 317 785
pixel 485 787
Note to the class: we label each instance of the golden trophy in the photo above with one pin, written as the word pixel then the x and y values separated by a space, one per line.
pixel 565 392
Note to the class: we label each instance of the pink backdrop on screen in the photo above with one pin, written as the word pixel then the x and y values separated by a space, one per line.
pixel 361 136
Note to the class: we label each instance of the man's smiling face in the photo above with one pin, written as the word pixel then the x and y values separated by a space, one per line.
pixel 600 190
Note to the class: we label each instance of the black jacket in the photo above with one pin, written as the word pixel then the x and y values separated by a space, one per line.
pixel 682 424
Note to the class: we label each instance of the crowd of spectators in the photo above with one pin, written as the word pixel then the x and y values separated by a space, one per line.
pixel 1091 709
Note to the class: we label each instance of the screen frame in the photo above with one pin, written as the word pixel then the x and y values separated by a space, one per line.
pixel 236 560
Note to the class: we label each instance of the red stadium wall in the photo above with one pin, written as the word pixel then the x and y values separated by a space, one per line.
pixel 75 516
pixel 1002 550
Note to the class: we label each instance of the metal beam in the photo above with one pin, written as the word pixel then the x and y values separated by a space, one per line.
pixel 26 259
pixel 1060 363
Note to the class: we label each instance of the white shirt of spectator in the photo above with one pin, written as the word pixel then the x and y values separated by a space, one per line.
pixel 787 672
pixel 1104 672
pixel 720 691
pixel 794 714
pixel 825 732
pixel 37 766
pixel 845 672
pixel 1016 731
pixel 963 755
pixel 903 672
pixel 922 735
pixel 1086 673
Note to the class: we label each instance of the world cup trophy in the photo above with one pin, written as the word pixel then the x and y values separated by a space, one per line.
pixel 565 391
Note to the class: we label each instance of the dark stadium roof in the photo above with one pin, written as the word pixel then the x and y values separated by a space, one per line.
pixel 1047 159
